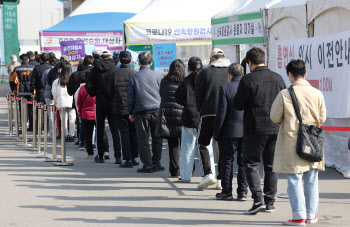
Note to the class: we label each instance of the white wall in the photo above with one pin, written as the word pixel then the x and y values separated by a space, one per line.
pixel 33 16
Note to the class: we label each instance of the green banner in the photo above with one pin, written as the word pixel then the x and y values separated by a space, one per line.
pixel 137 49
pixel 10 31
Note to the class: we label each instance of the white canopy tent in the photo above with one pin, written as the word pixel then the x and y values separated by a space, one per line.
pixel 186 23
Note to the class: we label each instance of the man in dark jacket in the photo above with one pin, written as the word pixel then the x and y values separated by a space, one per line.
pixel 143 105
pixel 208 83
pixel 256 93
pixel 120 110
pixel 22 76
pixel 228 131
pixel 100 84
pixel 32 60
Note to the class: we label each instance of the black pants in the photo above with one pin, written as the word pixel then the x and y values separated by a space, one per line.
pixel 145 123
pixel 103 112
pixel 205 134
pixel 88 127
pixel 29 112
pixel 13 86
pixel 228 148
pixel 257 148
pixel 174 156
pixel 128 137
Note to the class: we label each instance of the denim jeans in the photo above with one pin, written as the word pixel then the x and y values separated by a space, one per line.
pixel 304 203
pixel 187 152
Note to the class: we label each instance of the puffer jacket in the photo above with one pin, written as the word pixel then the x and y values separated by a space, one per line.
pixel 60 95
pixel 169 117
pixel 86 104
pixel 185 97
pixel 120 97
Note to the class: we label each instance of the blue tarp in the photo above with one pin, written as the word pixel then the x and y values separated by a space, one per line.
pixel 97 22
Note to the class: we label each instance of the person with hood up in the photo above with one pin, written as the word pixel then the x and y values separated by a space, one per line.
pixel 208 84
pixel 100 84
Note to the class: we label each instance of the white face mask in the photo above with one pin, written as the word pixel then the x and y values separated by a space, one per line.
pixel 14 60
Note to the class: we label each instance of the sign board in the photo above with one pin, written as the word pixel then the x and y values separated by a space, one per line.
pixel 135 51
pixel 238 29
pixel 10 25
pixel 327 61
pixel 164 55
pixel 149 33
pixel 99 47
pixel 74 50
pixel 50 41
pixel 89 49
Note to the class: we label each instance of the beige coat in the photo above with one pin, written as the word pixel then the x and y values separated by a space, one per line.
pixel 313 112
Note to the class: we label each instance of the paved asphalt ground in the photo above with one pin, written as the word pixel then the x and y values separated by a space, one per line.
pixel 36 193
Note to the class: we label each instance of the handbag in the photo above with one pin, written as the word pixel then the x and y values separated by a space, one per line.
pixel 310 141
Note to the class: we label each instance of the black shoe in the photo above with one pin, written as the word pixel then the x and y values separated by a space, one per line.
pixel 157 168
pixel 30 130
pixel 77 142
pixel 242 196
pixel 270 209
pixel 58 136
pixel 118 161
pixel 126 164
pixel 224 196
pixel 256 208
pixel 99 160
pixel 70 139
pixel 134 162
pixel 145 170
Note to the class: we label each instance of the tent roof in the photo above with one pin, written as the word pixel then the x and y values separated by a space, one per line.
pixel 287 8
pixel 179 11
pixel 237 7
pixel 315 8
pixel 99 16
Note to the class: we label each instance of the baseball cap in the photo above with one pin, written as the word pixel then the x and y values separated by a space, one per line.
pixel 217 51
pixel 124 54
pixel 105 53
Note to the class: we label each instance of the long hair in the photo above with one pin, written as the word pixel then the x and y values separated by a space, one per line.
pixel 66 71
pixel 176 71
pixel 195 65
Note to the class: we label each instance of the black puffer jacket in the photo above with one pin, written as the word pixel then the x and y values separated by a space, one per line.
pixel 185 97
pixel 169 117
pixel 120 97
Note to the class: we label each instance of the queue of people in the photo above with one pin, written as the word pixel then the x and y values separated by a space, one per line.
pixel 250 116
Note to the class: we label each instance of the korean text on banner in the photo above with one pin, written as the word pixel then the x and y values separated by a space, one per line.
pixel 144 33
pixel 164 55
pixel 99 47
pixel 238 29
pixel 327 61
pixel 74 50
pixel 10 30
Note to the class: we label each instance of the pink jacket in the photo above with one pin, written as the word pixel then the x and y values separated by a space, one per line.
pixel 87 107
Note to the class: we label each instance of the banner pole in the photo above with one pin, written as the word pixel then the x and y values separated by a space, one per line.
pixel 54 139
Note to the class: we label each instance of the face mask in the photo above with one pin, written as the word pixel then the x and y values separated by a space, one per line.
pixel 14 60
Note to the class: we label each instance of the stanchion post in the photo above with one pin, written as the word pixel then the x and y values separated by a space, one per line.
pixel 24 124
pixel 34 148
pixel 16 116
pixel 40 111
pixel 10 112
pixel 63 140
pixel 11 120
pixel 54 145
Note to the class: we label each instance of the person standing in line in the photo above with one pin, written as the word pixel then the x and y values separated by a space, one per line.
pixel 208 83
pixel 48 95
pixel 86 109
pixel 143 105
pixel 100 84
pixel 169 116
pixel 312 107
pixel 22 77
pixel 255 95
pixel 120 110
pixel 63 99
pixel 228 131
pixel 32 60
pixel 10 69
pixel 185 97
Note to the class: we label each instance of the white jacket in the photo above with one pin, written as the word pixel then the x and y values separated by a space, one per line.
pixel 60 95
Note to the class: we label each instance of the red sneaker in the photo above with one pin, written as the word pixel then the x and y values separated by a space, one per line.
pixel 312 221
pixel 300 222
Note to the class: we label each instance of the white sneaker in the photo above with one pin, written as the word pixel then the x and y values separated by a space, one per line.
pixel 218 185
pixel 206 181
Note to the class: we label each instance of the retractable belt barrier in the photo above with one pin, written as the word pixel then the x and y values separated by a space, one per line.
pixel 40 114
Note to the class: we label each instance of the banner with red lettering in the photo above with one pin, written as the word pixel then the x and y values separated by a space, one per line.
pixel 327 61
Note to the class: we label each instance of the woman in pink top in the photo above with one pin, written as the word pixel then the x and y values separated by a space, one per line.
pixel 86 107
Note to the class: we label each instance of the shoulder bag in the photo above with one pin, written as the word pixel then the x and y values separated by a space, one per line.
pixel 310 141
